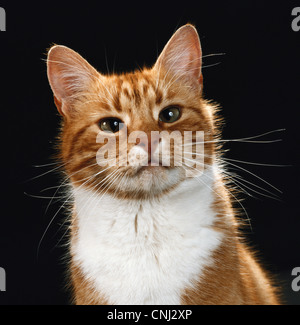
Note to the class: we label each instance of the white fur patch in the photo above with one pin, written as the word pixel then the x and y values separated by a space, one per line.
pixel 146 252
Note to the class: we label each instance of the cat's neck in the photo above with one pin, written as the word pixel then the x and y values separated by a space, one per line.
pixel 156 247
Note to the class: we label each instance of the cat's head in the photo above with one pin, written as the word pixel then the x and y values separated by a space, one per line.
pixel 120 132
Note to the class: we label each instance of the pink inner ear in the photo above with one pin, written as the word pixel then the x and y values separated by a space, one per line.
pixel 57 81
pixel 182 55
pixel 69 74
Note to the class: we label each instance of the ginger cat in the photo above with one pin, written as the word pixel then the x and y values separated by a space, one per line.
pixel 147 233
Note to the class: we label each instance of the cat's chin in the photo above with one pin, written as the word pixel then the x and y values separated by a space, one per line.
pixel 151 181
pixel 152 176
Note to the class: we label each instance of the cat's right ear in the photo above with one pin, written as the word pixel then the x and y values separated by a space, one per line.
pixel 182 56
pixel 69 75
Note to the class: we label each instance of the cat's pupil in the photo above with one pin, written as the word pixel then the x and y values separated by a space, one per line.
pixel 110 125
pixel 169 114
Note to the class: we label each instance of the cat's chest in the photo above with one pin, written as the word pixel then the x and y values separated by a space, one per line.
pixel 144 252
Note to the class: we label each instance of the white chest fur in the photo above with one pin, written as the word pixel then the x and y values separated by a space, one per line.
pixel 145 252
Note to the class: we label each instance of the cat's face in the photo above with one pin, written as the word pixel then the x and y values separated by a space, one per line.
pixel 126 134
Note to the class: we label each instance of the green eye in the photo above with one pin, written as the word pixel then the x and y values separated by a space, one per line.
pixel 110 124
pixel 170 114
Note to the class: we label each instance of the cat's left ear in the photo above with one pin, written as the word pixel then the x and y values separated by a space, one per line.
pixel 69 76
pixel 182 56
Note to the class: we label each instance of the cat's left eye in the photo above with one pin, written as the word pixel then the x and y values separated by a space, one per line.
pixel 110 125
pixel 170 114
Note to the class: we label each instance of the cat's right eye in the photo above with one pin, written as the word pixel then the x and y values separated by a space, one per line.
pixel 170 114
pixel 110 124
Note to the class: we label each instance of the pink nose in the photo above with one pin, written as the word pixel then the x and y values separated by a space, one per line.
pixel 148 143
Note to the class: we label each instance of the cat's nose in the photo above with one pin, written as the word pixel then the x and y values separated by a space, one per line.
pixel 149 143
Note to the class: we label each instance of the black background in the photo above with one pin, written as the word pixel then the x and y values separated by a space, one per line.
pixel 256 82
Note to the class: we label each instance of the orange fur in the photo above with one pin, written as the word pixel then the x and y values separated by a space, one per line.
pixel 235 276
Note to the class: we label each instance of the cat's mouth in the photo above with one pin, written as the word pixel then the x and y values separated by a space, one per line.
pixel 154 166
pixel 152 169
pixel 151 180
